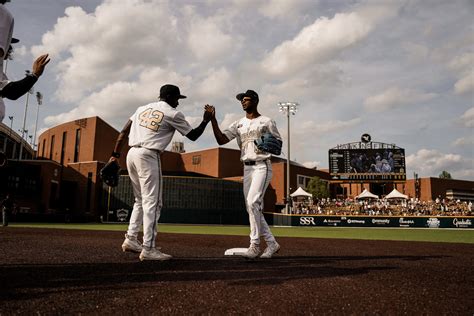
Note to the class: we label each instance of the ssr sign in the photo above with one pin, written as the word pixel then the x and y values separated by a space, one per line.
pixel 307 221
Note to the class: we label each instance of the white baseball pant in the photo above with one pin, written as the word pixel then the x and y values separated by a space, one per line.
pixel 144 169
pixel 256 180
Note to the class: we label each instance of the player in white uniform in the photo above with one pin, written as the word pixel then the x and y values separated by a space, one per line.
pixel 6 30
pixel 150 130
pixel 257 167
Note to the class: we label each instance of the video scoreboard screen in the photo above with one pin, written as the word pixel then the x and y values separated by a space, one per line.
pixel 386 164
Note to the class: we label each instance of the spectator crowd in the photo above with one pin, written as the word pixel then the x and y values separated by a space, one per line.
pixel 384 207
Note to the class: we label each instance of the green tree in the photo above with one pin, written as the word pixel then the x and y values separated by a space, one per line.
pixel 318 188
pixel 445 175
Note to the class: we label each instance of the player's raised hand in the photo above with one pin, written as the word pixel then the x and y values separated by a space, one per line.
pixel 209 111
pixel 39 64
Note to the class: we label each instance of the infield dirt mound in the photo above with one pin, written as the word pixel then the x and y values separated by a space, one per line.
pixel 50 271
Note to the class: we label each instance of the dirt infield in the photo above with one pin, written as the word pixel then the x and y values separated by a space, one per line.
pixel 49 271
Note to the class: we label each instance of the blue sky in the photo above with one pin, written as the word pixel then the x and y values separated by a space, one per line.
pixel 401 71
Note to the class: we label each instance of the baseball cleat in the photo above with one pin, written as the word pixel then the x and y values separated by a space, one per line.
pixel 252 252
pixel 272 248
pixel 154 254
pixel 131 244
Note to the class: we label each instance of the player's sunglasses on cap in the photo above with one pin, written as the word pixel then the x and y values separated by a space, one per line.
pixel 249 94
pixel 169 90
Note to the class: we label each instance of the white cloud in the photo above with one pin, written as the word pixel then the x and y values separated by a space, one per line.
pixel 468 118
pixel 462 62
pixel 396 97
pixel 215 82
pixel 119 100
pixel 323 40
pixel 312 164
pixel 286 9
pixel 431 162
pixel 463 66
pixel 207 40
pixel 103 46
pixel 465 85
pixel 316 43
pixel 464 142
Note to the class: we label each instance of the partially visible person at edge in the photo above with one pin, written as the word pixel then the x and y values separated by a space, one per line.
pixel 14 89
pixel 7 207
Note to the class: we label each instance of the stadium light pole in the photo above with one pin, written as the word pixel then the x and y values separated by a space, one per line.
pixel 24 119
pixel 39 99
pixel 287 108
pixel 11 125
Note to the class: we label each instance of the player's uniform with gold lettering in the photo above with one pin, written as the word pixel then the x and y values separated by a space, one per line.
pixel 153 127
pixel 257 170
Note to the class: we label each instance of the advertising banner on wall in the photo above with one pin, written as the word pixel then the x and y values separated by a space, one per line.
pixel 375 221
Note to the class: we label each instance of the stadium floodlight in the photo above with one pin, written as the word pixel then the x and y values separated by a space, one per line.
pixel 39 99
pixel 24 118
pixel 287 108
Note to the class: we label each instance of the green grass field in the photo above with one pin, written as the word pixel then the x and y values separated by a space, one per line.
pixel 404 234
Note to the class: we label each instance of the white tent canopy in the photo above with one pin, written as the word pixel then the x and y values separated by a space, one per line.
pixel 366 195
pixel 301 192
pixel 396 195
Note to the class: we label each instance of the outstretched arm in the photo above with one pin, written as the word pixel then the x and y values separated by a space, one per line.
pixel 220 137
pixel 15 89
pixel 195 133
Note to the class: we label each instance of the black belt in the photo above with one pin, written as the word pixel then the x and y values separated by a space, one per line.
pixel 253 162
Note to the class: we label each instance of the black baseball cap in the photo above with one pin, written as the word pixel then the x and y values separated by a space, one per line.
pixel 169 90
pixel 249 93
pixel 14 40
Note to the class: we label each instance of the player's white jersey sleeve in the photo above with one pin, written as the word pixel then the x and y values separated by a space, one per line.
pixel 233 132
pixel 6 29
pixel 180 124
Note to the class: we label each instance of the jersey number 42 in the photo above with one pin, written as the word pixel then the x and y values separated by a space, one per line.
pixel 151 119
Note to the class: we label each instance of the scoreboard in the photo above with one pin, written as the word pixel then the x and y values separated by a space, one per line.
pixel 367 164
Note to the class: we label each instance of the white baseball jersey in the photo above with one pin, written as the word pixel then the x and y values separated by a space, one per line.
pixel 6 30
pixel 246 131
pixel 154 125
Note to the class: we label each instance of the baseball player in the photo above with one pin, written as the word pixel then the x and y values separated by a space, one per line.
pixel 6 30
pixel 150 130
pixel 257 167
pixel 14 89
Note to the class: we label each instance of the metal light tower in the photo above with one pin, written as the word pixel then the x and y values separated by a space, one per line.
pixel 39 99
pixel 287 108
pixel 11 125
pixel 24 119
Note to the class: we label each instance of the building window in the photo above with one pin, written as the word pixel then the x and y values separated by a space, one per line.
pixel 63 145
pixel 44 145
pixel 197 160
pixel 51 148
pixel 78 144
pixel 303 181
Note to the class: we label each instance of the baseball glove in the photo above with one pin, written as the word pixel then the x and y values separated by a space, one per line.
pixel 268 143
pixel 110 173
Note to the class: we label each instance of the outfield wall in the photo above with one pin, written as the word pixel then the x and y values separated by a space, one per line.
pixel 186 200
pixel 367 221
